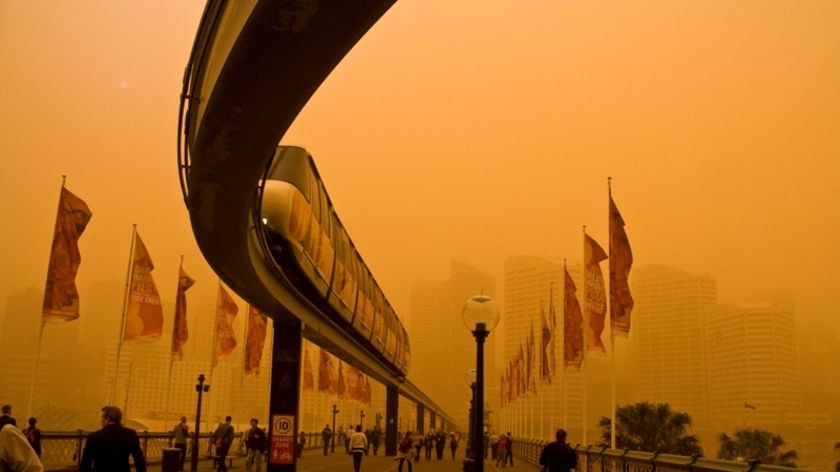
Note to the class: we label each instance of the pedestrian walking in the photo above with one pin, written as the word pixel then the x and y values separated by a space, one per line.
pixel 180 434
pixel 558 456
pixel 222 440
pixel 33 435
pixel 301 442
pixel 16 454
pixel 453 444
pixel 357 445
pixel 326 437
pixel 404 451
pixel 501 450
pixel 256 445
pixel 508 450
pixel 108 449
pixel 376 437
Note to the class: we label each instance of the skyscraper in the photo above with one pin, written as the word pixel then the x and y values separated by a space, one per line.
pixel 442 349
pixel 753 365
pixel 669 336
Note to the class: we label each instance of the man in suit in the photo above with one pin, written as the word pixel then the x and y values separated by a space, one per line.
pixel 107 450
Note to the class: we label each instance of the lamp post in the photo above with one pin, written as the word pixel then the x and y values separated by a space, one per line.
pixel 378 419
pixel 480 315
pixel 469 378
pixel 201 389
pixel 332 438
pixel 362 419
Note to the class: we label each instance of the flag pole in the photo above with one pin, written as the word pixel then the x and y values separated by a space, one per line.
pixel 128 275
pixel 612 332
pixel 213 351
pixel 171 356
pixel 584 379
pixel 41 330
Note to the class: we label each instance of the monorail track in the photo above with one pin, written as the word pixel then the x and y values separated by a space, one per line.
pixel 253 67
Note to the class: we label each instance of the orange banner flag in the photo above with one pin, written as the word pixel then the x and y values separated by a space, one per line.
pixel 226 311
pixel 144 312
pixel 61 298
pixel 327 378
pixel 545 347
pixel 572 326
pixel 354 383
pixel 180 331
pixel 342 387
pixel 308 374
pixel 596 297
pixel 621 260
pixel 367 391
pixel 255 341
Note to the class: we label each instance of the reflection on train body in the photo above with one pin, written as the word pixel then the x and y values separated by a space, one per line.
pixel 308 238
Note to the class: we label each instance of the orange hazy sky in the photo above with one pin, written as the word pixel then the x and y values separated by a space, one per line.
pixel 470 130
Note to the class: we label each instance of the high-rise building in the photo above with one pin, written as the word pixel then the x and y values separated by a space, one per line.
pixel 753 365
pixel 669 340
pixel 442 349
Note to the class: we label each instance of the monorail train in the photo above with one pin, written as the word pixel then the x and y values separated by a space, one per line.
pixel 305 234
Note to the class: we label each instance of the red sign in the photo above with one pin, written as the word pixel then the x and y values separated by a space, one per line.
pixel 282 447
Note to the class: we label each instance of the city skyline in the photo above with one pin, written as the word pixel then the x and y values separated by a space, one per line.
pixel 463 131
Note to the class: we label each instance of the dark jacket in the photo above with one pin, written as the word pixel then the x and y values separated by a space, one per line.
pixel 107 450
pixel 558 457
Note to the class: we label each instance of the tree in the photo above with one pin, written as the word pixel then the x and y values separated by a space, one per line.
pixel 651 427
pixel 756 444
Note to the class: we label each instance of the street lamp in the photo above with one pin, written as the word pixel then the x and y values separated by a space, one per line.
pixel 378 418
pixel 332 439
pixel 362 419
pixel 201 389
pixel 480 315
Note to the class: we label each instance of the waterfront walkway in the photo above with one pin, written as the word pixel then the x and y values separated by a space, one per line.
pixel 312 461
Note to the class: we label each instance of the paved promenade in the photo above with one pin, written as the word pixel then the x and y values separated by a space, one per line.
pixel 312 461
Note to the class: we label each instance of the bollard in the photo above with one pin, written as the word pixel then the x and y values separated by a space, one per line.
pixel 171 460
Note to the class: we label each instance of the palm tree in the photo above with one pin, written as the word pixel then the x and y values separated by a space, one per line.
pixel 756 444
pixel 651 427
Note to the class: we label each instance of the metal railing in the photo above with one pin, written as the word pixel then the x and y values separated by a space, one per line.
pixel 63 450
pixel 602 459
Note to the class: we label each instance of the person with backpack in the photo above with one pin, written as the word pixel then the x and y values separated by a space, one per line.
pixel 222 440
pixel 179 436
pixel 33 435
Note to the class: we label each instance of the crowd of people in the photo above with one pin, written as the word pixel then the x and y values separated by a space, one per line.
pixel 110 448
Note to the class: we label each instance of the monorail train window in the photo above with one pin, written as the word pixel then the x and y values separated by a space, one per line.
pixel 291 165
pixel 314 197
pixel 379 314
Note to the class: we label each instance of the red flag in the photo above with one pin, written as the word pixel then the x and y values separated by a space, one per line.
pixel 572 326
pixel 552 323
pixel 367 391
pixel 308 375
pixel 327 378
pixel 61 299
pixel 342 387
pixel 226 311
pixel 144 312
pixel 546 341
pixel 621 260
pixel 180 332
pixel 596 297
pixel 255 342
pixel 529 361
